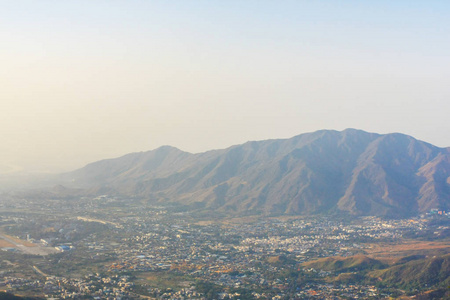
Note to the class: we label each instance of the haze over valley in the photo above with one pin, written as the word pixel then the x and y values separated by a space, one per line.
pixel 83 82
pixel 224 150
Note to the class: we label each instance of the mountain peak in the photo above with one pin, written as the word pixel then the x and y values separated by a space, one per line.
pixel 167 148
pixel 327 171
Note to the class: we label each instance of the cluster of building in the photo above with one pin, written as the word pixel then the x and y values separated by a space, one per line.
pixel 259 258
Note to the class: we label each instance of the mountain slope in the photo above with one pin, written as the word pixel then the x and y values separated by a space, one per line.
pixel 325 171
pixel 417 274
pixel 345 264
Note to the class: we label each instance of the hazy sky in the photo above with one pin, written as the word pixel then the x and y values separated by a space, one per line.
pixel 87 80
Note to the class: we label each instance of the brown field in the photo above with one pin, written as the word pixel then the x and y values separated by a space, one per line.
pixel 249 219
pixel 391 252
pixel 227 222
pixel 163 279
pixel 25 246
pixel 204 223
pixel 19 241
pixel 4 244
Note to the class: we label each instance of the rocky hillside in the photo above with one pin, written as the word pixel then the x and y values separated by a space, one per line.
pixel 321 172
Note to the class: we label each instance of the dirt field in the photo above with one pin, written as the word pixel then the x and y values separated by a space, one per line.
pixel 163 279
pixel 22 242
pixel 4 244
pixel 25 246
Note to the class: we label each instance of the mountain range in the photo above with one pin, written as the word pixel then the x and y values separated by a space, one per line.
pixel 327 171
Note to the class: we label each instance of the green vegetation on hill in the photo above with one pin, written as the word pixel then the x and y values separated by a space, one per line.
pixel 9 296
pixel 280 260
pixel 417 274
pixel 345 264
pixel 410 273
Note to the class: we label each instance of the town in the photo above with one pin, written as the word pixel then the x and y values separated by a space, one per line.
pixel 111 248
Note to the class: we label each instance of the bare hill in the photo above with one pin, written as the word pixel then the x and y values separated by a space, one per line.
pixel 321 172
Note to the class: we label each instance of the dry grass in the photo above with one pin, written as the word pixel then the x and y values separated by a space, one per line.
pixel 26 246
pixel 163 280
pixel 4 244
pixel 204 223
pixel 19 241
pixel 392 252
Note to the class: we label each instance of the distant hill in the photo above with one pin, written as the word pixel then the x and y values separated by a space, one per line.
pixel 409 273
pixel 418 274
pixel 345 264
pixel 327 171
pixel 9 296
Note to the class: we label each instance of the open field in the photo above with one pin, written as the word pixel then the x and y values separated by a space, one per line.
pixel 97 221
pixel 4 244
pixel 392 252
pixel 163 280
pixel 16 240
pixel 25 246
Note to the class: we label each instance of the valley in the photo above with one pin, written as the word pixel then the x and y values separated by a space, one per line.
pixel 323 215
pixel 123 248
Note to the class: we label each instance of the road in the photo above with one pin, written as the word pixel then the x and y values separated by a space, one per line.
pixel 39 271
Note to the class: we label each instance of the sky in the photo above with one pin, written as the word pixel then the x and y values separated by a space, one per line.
pixel 82 81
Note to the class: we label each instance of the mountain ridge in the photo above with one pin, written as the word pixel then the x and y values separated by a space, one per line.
pixel 349 171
